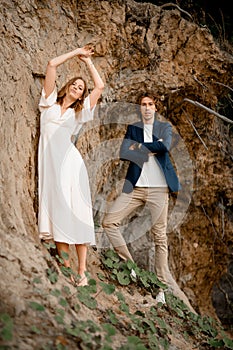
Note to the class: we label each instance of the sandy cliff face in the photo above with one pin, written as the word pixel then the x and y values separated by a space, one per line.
pixel 138 47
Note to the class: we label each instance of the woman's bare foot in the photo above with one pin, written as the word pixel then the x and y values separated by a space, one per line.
pixel 73 280
pixel 82 282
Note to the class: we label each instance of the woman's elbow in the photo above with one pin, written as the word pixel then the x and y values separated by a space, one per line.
pixel 51 63
pixel 100 86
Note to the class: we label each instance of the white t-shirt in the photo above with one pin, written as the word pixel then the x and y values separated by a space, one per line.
pixel 152 174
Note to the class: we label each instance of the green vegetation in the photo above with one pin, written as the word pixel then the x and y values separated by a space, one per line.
pixel 151 327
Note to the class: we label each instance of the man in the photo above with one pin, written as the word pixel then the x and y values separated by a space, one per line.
pixel 149 178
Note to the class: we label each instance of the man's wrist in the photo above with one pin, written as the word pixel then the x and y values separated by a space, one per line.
pixel 137 146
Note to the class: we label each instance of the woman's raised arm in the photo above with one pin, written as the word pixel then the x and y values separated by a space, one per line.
pixel 52 65
pixel 98 82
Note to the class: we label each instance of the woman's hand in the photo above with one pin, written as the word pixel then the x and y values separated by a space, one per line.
pixel 85 52
pixel 86 59
pixel 98 82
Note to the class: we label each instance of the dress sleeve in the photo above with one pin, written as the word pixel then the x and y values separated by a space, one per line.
pixel 87 113
pixel 47 102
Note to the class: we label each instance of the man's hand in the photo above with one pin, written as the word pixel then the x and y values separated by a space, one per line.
pixel 133 147
pixel 136 146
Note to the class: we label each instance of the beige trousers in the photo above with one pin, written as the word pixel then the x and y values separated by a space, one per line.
pixel 157 201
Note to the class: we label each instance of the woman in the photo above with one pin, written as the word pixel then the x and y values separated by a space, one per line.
pixel 65 209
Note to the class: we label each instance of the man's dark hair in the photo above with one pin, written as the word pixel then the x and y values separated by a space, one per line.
pixel 147 94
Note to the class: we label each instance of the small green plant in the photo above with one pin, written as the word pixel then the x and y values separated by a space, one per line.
pixel 133 343
pixel 59 317
pixel 35 330
pixel 86 333
pixel 7 326
pixel 55 292
pixel 120 271
pixel 85 298
pixel 36 306
pixel 107 288
pixel 37 280
pixel 112 317
pixel 52 275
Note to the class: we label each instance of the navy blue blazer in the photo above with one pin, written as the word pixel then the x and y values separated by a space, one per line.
pixel 134 134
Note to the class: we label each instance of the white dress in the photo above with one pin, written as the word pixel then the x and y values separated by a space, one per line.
pixel 65 207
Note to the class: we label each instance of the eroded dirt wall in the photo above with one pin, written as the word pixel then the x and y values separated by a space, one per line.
pixel 138 47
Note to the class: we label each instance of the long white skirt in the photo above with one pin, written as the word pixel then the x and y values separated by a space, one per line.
pixel 65 206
